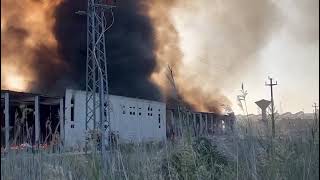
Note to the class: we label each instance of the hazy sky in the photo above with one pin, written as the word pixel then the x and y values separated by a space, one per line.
pixel 225 43
pixel 292 58
pixel 295 67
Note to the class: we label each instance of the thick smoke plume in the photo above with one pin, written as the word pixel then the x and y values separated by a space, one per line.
pixel 130 44
pixel 28 46
pixel 209 44
pixel 44 48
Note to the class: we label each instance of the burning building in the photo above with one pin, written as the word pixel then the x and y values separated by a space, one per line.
pixel 51 40
pixel 36 119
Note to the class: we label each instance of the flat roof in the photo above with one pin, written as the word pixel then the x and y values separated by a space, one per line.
pixel 28 98
pixel 123 97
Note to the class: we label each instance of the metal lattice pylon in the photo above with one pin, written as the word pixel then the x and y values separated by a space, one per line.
pixel 97 95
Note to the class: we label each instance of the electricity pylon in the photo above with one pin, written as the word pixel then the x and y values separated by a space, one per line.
pixel 97 122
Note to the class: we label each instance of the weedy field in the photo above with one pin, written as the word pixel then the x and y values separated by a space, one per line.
pixel 241 155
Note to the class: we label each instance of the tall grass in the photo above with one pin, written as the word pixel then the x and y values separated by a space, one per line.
pixel 188 158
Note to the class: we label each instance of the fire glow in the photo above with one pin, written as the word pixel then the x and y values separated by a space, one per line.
pixel 26 26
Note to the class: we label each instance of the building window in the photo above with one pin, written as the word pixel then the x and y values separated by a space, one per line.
pixel 123 109
pixel 134 113
pixel 72 109
pixel 130 113
pixel 72 113
pixel 72 126
pixel 139 113
pixel 159 126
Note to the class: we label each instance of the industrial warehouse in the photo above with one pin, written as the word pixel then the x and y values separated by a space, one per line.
pixel 37 120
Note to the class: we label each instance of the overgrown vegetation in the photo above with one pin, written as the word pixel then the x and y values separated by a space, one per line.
pixel 199 158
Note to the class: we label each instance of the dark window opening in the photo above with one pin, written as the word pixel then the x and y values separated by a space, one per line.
pixel 134 113
pixel 159 120
pixel 72 113
pixel 124 112
pixel 72 109
pixel 130 113
pixel 139 113
pixel 72 126
pixel 159 126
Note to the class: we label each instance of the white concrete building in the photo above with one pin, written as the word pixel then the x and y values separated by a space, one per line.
pixel 135 120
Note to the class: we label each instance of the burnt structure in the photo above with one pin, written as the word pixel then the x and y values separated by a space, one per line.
pixel 180 122
pixel 39 120
pixel 31 119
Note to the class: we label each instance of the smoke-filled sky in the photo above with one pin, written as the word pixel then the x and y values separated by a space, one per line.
pixel 228 42
pixel 212 46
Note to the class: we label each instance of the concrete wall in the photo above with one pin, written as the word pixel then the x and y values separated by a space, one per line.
pixel 135 120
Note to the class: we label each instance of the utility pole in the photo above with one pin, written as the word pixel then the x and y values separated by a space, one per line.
pixel 315 113
pixel 271 84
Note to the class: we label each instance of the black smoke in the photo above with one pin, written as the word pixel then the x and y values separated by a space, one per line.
pixel 130 47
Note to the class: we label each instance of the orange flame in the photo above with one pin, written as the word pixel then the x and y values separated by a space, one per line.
pixel 25 25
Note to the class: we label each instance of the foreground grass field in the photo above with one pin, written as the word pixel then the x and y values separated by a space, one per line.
pixel 240 155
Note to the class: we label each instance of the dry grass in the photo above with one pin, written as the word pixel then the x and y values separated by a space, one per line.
pixel 226 157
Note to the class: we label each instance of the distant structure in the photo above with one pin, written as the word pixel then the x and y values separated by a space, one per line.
pixel 263 104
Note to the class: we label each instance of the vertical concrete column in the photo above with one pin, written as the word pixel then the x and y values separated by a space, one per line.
pixel 201 124
pixel 212 124
pixel 36 119
pixel 194 124
pixel 172 123
pixel 61 118
pixel 206 128
pixel 6 116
